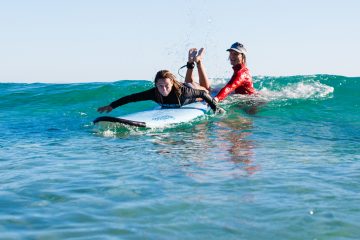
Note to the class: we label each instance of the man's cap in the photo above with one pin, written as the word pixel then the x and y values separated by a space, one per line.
pixel 237 47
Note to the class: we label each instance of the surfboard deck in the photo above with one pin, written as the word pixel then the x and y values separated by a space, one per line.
pixel 160 117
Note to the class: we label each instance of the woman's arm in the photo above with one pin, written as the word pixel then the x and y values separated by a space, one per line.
pixel 234 83
pixel 136 97
pixel 195 93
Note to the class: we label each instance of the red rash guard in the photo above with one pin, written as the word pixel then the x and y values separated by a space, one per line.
pixel 240 82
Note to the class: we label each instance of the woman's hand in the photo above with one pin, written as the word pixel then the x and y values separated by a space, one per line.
pixel 105 109
pixel 220 110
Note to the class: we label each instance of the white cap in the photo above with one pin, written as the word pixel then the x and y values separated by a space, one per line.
pixel 237 47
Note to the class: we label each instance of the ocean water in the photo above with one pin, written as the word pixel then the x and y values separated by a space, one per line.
pixel 281 165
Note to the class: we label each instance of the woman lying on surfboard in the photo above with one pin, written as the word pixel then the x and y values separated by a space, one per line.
pixel 169 93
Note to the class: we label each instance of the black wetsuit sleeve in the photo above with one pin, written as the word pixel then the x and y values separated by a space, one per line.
pixel 192 93
pixel 136 97
pixel 209 100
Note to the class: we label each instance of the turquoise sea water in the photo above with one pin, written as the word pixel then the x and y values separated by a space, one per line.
pixel 286 169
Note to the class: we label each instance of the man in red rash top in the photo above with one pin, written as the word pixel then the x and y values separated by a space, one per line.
pixel 241 81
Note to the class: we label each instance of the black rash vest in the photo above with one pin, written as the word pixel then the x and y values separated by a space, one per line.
pixel 188 95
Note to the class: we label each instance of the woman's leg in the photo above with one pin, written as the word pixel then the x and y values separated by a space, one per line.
pixel 189 72
pixel 203 79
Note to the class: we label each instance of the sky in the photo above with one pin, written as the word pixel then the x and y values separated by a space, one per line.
pixel 103 41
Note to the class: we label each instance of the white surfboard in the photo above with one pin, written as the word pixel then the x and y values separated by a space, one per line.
pixel 160 117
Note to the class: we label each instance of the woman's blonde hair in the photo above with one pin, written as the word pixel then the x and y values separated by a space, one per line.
pixel 162 74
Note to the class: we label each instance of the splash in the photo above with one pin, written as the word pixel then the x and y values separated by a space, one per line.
pixel 275 89
pixel 300 90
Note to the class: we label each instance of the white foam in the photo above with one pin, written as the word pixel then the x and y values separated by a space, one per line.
pixel 301 90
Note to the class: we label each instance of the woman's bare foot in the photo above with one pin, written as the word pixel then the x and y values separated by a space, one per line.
pixel 192 55
pixel 200 55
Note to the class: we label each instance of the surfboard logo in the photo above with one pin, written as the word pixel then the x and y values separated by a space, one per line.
pixel 164 117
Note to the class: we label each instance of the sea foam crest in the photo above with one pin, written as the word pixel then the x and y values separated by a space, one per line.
pixel 300 90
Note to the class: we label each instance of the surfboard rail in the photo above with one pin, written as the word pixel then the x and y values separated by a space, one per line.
pixel 119 120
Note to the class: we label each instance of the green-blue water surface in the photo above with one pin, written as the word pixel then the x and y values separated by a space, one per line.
pixel 286 169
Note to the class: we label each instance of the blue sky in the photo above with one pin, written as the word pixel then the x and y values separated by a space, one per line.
pixel 109 40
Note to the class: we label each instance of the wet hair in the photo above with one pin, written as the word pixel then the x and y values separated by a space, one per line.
pixel 162 74
pixel 243 57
